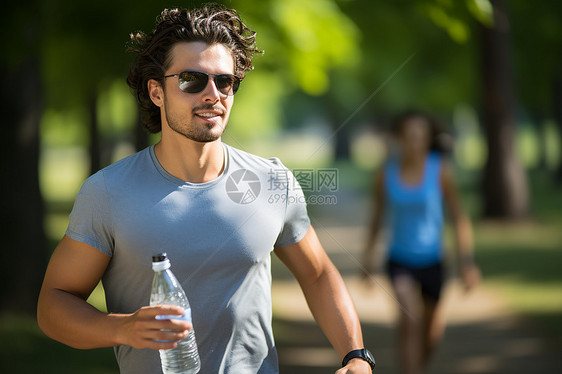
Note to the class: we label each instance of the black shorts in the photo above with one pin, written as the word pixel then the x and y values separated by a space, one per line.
pixel 429 278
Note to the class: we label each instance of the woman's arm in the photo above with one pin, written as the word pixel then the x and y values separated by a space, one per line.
pixel 369 252
pixel 462 227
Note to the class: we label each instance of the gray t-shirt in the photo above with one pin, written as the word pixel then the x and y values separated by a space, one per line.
pixel 219 237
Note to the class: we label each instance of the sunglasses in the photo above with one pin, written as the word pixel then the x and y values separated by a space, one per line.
pixel 195 82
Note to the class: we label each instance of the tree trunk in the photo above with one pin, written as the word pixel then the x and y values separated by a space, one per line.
pixel 505 189
pixel 23 236
pixel 558 119
pixel 342 151
pixel 340 129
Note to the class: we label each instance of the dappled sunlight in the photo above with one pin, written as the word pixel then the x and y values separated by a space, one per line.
pixel 62 171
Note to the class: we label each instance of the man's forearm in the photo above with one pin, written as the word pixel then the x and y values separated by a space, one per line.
pixel 71 320
pixel 333 309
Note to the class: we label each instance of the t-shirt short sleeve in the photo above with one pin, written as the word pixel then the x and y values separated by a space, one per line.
pixel 296 221
pixel 90 220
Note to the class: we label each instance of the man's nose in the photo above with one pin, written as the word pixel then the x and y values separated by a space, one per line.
pixel 211 93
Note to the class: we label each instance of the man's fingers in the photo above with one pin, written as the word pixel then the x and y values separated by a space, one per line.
pixel 146 330
pixel 153 344
pixel 157 310
pixel 166 335
pixel 151 317
pixel 174 325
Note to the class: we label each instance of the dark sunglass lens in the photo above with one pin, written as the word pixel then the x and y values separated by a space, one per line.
pixel 225 83
pixel 235 86
pixel 193 82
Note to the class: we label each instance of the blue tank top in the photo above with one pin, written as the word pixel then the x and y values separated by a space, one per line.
pixel 415 215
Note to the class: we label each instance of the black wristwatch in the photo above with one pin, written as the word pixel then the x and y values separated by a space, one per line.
pixel 363 354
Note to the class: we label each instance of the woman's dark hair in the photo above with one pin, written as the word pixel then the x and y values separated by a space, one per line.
pixel 440 140
pixel 212 23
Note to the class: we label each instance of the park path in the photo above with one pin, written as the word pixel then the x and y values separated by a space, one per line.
pixel 483 334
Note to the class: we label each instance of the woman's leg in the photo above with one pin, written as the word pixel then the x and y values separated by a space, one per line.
pixel 433 324
pixel 409 349
pixel 433 327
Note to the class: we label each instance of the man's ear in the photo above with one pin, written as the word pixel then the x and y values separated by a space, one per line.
pixel 156 92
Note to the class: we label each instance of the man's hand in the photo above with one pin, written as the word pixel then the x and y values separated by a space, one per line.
pixel 142 330
pixel 356 366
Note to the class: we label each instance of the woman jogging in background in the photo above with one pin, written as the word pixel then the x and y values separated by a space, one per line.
pixel 409 192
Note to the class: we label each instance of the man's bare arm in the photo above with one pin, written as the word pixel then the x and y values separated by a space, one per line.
pixel 327 296
pixel 63 314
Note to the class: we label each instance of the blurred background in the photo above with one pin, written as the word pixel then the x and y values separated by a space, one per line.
pixel 334 72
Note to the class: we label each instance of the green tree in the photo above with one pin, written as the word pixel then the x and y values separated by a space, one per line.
pixel 474 65
pixel 505 189
pixel 537 34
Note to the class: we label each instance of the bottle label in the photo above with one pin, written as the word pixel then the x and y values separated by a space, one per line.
pixel 186 316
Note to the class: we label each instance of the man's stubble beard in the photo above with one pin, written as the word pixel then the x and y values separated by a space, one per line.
pixel 192 132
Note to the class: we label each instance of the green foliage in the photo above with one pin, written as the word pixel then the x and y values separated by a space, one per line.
pixel 117 109
pixel 552 147
pixel 62 171
pixel 536 32
pixel 257 111
pixel 303 43
pixel 440 74
pixel 438 13
pixel 318 37
pixel 481 10
pixel 82 50
pixel 62 127
pixel 342 50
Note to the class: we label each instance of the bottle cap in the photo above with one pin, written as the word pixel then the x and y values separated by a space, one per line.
pixel 159 257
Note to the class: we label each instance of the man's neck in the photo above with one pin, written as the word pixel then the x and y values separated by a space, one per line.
pixel 191 161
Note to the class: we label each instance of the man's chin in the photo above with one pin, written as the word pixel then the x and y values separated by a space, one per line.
pixel 203 138
pixel 200 132
pixel 204 141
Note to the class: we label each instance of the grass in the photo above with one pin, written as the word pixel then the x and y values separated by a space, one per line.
pixel 524 260
pixel 25 349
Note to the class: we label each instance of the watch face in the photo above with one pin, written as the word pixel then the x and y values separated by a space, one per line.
pixel 369 355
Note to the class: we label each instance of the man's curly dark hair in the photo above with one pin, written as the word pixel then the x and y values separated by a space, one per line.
pixel 212 23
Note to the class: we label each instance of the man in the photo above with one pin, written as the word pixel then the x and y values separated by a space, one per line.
pixel 204 203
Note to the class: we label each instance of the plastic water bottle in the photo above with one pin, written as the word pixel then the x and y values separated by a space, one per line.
pixel 166 290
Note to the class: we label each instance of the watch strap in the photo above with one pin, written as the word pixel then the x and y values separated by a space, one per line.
pixel 362 354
